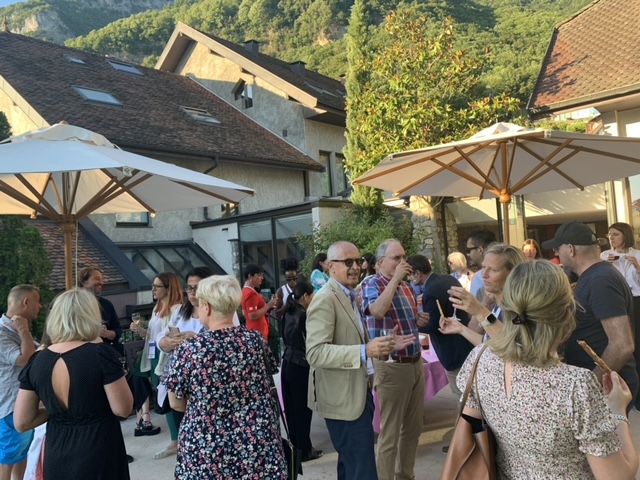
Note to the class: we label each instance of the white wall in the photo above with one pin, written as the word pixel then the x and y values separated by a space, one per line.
pixel 218 242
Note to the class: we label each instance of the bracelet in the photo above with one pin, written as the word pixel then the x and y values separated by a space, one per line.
pixel 622 418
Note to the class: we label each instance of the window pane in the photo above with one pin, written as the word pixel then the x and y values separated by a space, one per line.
pixel 340 178
pixel 140 218
pixel 179 259
pixel 257 248
pixel 325 187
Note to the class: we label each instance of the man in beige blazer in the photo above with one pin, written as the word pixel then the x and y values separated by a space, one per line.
pixel 339 352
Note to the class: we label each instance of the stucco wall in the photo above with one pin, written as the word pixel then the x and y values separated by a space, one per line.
pixel 18 119
pixel 271 108
pixel 274 188
pixel 221 243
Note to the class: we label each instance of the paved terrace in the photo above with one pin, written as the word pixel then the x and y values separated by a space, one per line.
pixel 439 416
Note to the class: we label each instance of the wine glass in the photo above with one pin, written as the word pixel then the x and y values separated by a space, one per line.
pixel 454 316
pixel 388 333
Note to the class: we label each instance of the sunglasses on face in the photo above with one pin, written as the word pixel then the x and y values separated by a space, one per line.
pixel 348 262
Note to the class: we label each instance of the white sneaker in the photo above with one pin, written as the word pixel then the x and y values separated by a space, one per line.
pixel 167 452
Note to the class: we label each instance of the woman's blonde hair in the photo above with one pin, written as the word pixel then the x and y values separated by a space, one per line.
pixel 222 292
pixel 75 315
pixel 458 259
pixel 538 310
pixel 174 296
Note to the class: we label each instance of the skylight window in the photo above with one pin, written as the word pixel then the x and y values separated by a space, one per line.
pixel 320 89
pixel 201 115
pixel 98 96
pixel 125 67
pixel 74 59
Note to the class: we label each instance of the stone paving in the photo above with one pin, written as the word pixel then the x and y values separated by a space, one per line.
pixel 439 415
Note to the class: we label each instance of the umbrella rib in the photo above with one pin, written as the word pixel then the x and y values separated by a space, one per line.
pixel 110 191
pixel 491 167
pixel 531 176
pixel 74 192
pixel 202 190
pixel 12 192
pixel 452 169
pixel 371 176
pixel 511 161
pixel 581 148
pixel 39 195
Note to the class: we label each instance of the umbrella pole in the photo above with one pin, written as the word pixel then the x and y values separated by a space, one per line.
pixel 68 230
pixel 505 222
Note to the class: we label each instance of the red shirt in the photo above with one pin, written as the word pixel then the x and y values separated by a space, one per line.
pixel 251 302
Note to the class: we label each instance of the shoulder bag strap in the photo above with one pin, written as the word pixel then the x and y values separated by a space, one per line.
pixel 274 391
pixel 471 381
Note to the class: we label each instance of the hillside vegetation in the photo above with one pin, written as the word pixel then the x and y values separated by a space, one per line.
pixel 517 32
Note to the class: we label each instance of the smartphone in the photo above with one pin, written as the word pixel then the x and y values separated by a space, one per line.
pixel 616 257
pixel 174 330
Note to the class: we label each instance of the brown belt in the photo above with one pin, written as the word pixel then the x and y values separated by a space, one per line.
pixel 413 359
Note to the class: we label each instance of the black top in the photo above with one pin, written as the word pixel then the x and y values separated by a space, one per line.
pixel 294 335
pixel 85 440
pixel 112 322
pixel 452 350
pixel 601 292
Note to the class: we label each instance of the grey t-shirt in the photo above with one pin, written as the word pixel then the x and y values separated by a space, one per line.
pixel 9 371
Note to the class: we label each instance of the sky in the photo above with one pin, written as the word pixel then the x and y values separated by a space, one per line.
pixel 4 3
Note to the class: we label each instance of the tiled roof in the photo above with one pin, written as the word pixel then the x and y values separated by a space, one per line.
pixel 326 92
pixel 87 254
pixel 149 118
pixel 592 56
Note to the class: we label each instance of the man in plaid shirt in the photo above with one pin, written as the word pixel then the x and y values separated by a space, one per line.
pixel 388 302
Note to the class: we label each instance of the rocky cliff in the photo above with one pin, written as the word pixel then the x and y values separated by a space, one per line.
pixel 59 20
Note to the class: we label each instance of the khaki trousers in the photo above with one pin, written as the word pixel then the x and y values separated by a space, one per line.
pixel 400 388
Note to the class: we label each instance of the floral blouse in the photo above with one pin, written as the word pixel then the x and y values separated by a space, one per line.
pixel 230 429
pixel 552 419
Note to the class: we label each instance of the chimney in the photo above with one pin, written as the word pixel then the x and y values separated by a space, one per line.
pixel 252 46
pixel 298 67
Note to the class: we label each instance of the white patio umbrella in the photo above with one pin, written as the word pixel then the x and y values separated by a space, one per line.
pixel 65 173
pixel 504 160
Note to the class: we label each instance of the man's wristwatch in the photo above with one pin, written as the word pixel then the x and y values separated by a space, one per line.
pixel 489 320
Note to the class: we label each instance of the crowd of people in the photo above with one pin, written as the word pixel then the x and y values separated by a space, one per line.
pixel 353 328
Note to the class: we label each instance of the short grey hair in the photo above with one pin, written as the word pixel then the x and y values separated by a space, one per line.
pixel 381 251
pixel 17 293
pixel 222 292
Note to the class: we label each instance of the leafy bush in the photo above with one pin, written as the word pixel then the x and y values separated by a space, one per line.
pixel 363 230
pixel 24 260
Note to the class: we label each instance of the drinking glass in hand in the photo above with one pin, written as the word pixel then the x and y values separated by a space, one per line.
pixel 388 333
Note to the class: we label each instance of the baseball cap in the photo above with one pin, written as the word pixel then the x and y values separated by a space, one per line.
pixel 574 233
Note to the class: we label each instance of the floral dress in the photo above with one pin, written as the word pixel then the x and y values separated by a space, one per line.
pixel 230 429
pixel 553 418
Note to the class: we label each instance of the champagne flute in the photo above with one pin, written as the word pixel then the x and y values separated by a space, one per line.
pixel 388 333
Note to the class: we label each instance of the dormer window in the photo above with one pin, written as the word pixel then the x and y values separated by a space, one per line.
pixel 200 115
pixel 125 67
pixel 244 92
pixel 98 96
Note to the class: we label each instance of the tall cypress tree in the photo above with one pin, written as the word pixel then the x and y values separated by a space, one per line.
pixel 358 79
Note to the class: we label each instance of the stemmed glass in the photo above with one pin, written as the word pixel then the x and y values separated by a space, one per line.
pixel 388 333
pixel 135 319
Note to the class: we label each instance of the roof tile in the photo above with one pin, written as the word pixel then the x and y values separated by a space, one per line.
pixel 149 118
pixel 591 53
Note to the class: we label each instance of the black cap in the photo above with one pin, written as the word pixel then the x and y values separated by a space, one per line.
pixel 574 233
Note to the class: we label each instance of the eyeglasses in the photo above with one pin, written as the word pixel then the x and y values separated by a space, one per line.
pixel 291 279
pixel 348 262
pixel 190 289
pixel 155 287
pixel 469 250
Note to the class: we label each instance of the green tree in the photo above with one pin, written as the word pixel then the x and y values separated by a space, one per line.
pixel 5 128
pixel 419 90
pixel 24 260
pixel 358 78
pixel 366 234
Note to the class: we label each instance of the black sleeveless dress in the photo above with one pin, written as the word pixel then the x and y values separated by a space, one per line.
pixel 84 442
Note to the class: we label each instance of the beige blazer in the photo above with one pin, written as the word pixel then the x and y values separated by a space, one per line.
pixel 338 377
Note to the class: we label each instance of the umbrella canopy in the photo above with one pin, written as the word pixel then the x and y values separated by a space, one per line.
pixel 66 173
pixel 504 160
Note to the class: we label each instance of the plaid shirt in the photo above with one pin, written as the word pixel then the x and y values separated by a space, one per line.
pixel 402 311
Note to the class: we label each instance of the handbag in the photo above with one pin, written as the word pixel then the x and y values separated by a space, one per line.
pixel 292 455
pixel 472 450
